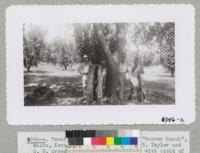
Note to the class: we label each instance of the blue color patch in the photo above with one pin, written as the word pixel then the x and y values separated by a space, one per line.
pixel 134 141
pixel 126 140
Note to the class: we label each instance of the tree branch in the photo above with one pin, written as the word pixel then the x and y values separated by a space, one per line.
pixel 100 36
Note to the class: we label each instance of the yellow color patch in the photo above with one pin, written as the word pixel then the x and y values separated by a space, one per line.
pixel 110 140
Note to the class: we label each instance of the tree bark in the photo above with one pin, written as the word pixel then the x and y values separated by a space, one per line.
pixel 100 84
pixel 112 66
pixel 90 85
pixel 28 68
pixel 140 90
pixel 29 64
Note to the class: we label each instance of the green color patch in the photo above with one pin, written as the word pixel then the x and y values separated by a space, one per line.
pixel 117 141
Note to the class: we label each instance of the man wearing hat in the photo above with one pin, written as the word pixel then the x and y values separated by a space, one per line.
pixel 84 70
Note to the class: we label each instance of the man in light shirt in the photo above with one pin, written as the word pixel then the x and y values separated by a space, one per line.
pixel 122 72
pixel 84 70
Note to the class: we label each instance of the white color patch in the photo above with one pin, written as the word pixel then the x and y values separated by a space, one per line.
pixel 183 110
pixel 87 141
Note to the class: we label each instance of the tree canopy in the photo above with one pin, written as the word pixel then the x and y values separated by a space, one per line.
pixel 152 43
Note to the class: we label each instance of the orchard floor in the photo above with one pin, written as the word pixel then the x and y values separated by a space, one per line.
pixel 49 85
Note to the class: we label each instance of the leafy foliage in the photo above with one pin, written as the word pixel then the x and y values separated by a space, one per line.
pixel 152 43
pixel 33 42
pixel 158 38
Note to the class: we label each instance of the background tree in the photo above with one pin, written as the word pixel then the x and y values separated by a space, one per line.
pixel 51 54
pixel 87 44
pixel 144 52
pixel 61 53
pixel 33 42
pixel 157 38
pixel 65 53
pixel 167 43
pixel 164 35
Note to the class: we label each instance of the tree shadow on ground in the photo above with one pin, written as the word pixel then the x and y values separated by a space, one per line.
pixel 49 90
pixel 59 90
pixel 159 92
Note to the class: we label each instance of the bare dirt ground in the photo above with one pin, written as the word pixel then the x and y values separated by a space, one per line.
pixel 52 85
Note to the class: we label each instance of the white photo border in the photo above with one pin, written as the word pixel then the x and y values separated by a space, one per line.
pixel 184 108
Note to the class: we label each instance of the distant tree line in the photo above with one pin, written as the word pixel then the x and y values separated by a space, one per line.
pixel 36 49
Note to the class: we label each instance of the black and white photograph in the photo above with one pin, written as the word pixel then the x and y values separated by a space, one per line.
pixel 99 63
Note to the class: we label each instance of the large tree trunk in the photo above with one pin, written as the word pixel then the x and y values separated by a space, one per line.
pixel 112 78
pixel 115 76
pixel 121 85
pixel 140 90
pixel 28 68
pixel 89 95
pixel 112 66
pixel 99 89
pixel 94 89
pixel 29 64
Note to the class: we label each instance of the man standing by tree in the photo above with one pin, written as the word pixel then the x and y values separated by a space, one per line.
pixel 84 70
pixel 122 71
pixel 136 79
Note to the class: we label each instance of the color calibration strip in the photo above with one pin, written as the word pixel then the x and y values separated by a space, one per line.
pixel 109 137
pixel 103 141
